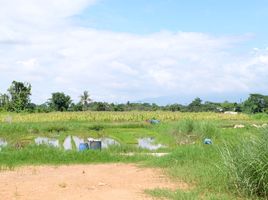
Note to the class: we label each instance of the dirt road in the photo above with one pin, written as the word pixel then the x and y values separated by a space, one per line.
pixel 96 182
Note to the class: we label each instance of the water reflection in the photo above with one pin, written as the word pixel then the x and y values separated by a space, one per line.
pixel 148 143
pixel 3 143
pixel 67 144
pixel 77 142
pixel 105 142
pixel 47 141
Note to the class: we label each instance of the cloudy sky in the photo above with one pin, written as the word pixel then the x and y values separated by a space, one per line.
pixel 119 50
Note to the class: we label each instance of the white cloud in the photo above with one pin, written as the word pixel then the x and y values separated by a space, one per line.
pixel 40 44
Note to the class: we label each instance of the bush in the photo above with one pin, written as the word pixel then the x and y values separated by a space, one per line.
pixel 246 165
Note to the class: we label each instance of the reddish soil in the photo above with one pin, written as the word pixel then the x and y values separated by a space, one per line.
pixel 102 181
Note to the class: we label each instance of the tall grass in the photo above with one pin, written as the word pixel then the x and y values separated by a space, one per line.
pixel 246 165
pixel 190 131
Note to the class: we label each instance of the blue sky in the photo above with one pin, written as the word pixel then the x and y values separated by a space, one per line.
pixel 120 50
pixel 208 16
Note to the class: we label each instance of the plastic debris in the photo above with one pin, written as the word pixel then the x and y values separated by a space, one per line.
pixel 154 121
pixel 207 141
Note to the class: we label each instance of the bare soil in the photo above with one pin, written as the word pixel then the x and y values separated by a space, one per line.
pixel 101 181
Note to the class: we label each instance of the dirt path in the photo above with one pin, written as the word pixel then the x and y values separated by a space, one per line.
pixel 102 181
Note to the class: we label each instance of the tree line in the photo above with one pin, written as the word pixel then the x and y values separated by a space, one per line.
pixel 17 99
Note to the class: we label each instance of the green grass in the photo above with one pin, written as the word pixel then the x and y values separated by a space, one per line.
pixel 39 155
pixel 187 195
pixel 200 166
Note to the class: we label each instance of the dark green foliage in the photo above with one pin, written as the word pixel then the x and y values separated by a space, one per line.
pixel 256 103
pixel 57 128
pixel 195 105
pixel 59 101
pixel 76 107
pixel 100 106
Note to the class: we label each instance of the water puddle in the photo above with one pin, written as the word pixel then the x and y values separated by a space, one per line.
pixel 67 144
pixel 148 143
pixel 3 143
pixel 77 141
pixel 105 142
pixel 47 141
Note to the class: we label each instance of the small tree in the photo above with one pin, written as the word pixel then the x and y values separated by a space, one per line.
pixel 85 100
pixel 4 101
pixel 59 101
pixel 19 96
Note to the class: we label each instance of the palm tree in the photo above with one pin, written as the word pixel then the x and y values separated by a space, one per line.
pixel 85 99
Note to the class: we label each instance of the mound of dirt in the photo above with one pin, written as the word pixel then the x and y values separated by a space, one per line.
pixel 102 181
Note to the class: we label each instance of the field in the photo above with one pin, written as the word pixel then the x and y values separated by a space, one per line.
pixel 179 137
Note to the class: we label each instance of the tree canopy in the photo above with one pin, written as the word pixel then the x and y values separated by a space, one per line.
pixel 59 101
pixel 17 99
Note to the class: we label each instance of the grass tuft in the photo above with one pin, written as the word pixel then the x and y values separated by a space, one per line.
pixel 246 165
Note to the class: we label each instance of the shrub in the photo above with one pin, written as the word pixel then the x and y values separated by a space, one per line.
pixel 246 165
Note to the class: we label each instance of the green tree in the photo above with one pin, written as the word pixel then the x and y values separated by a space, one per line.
pixel 59 101
pixel 4 101
pixel 174 107
pixel 195 105
pixel 256 103
pixel 19 96
pixel 228 106
pixel 85 100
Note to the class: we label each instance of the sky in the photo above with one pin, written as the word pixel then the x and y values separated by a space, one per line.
pixel 161 51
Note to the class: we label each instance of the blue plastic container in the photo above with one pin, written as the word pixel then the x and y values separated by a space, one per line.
pixel 154 121
pixel 83 146
pixel 207 141
pixel 95 145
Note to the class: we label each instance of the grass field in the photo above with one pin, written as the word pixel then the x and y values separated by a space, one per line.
pixel 182 134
